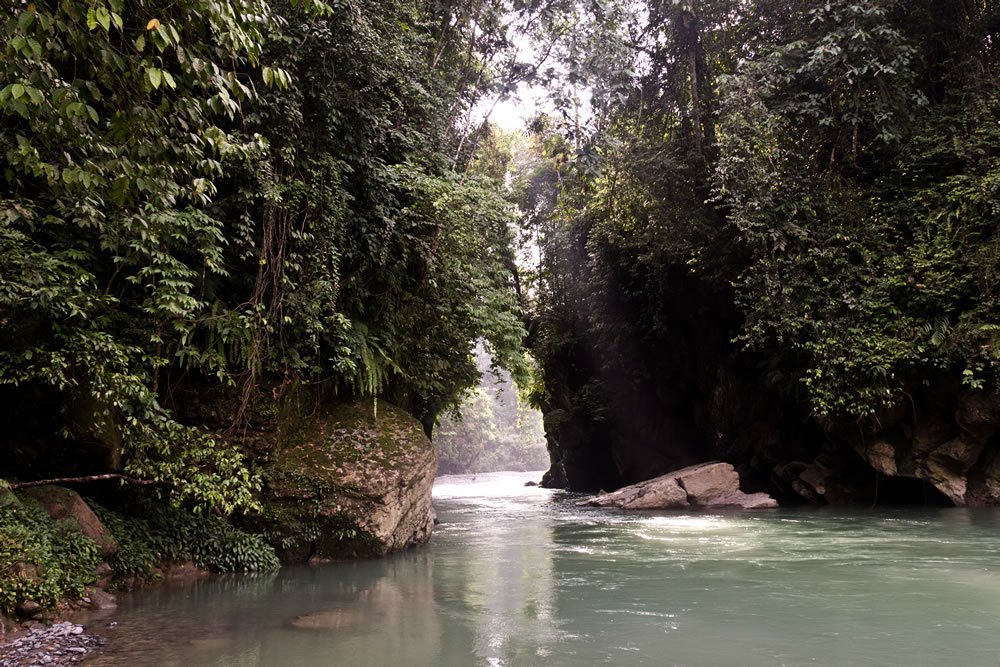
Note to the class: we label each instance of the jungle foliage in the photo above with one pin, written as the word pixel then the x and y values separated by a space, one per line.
pixel 44 560
pixel 150 536
pixel 808 189
pixel 275 194
pixel 41 559
pixel 252 193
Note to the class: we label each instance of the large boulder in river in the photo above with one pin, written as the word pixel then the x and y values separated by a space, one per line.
pixel 706 485
pixel 67 506
pixel 346 481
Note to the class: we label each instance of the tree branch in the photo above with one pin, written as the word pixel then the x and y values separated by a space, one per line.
pixel 89 478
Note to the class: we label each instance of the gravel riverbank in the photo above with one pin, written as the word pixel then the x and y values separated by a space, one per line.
pixel 58 644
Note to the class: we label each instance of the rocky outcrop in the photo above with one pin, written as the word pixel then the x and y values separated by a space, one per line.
pixel 944 452
pixel 349 480
pixel 66 505
pixel 706 485
pixel 934 449
pixel 643 377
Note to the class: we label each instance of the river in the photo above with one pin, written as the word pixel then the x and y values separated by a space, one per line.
pixel 519 575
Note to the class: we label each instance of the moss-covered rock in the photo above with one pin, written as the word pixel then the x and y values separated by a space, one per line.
pixel 67 506
pixel 345 481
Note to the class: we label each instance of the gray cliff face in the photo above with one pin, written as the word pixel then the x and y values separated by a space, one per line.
pixel 349 480
pixel 939 446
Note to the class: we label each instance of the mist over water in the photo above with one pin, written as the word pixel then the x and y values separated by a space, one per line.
pixel 519 575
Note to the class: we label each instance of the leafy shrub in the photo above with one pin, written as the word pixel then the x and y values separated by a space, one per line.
pixel 40 559
pixel 149 535
pixel 211 542
pixel 139 551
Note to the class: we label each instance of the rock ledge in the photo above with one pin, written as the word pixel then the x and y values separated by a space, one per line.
pixel 714 484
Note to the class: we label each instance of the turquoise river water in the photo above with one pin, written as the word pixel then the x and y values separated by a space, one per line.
pixel 522 576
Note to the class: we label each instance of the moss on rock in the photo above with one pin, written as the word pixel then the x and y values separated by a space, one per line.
pixel 66 507
pixel 48 554
pixel 347 480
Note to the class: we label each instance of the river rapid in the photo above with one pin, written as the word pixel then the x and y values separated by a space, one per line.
pixel 519 575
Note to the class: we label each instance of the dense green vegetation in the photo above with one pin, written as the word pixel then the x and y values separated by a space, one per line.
pixel 877 126
pixel 806 191
pixel 295 201
pixel 45 561
pixel 40 559
pixel 150 535
pixel 262 195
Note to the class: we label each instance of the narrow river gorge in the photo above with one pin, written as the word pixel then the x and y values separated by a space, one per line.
pixel 270 267
pixel 519 575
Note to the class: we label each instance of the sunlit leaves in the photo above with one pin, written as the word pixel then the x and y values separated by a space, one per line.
pixel 275 76
pixel 380 280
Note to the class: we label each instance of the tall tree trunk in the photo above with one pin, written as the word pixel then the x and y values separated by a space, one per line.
pixel 692 54
pixel 689 36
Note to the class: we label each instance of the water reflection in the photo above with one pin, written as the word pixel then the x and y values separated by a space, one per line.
pixel 505 574
pixel 365 616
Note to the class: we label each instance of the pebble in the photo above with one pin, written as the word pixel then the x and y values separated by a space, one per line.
pixel 57 644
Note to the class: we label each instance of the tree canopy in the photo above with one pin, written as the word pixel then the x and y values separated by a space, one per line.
pixel 271 195
pixel 814 182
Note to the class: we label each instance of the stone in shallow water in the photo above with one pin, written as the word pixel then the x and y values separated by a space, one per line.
pixel 210 644
pixel 707 485
pixel 29 609
pixel 329 619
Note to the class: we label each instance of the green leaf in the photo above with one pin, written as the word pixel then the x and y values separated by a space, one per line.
pixel 104 18
pixel 91 19
pixel 154 76
pixel 16 91
pixel 25 20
